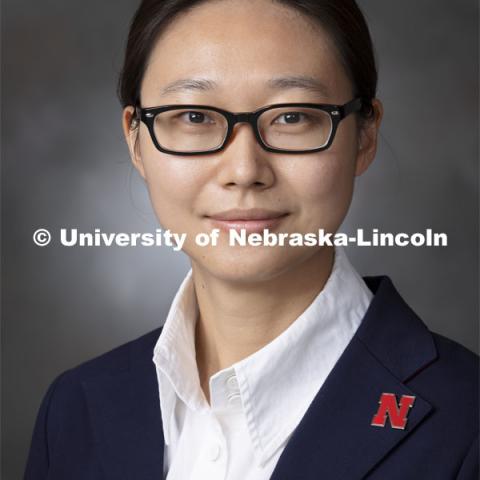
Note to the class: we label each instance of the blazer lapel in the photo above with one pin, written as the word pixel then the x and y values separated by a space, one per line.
pixel 335 438
pixel 127 423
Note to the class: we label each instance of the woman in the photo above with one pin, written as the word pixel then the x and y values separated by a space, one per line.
pixel 275 361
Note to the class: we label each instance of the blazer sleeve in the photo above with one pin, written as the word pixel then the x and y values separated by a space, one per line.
pixel 470 466
pixel 43 435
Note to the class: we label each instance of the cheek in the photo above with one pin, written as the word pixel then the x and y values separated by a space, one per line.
pixel 327 181
pixel 173 185
pixel 325 185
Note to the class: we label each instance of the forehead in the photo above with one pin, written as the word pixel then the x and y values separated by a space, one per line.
pixel 243 48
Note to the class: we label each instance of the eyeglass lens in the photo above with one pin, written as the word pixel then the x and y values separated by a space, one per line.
pixel 286 128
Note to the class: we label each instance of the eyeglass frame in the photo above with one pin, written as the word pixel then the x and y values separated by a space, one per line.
pixel 336 112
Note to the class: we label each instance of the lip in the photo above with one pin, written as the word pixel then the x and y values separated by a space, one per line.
pixel 250 214
pixel 253 220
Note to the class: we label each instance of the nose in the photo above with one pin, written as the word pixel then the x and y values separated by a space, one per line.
pixel 244 163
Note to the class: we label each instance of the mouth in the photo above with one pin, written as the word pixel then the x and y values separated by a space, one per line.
pixel 253 220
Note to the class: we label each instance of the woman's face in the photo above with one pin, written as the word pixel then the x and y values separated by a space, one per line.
pixel 241 45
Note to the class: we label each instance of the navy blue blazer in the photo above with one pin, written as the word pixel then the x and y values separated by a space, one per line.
pixel 101 420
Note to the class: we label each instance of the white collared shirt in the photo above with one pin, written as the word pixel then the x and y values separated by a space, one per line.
pixel 257 402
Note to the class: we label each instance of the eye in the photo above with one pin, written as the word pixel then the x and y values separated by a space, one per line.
pixel 291 117
pixel 196 117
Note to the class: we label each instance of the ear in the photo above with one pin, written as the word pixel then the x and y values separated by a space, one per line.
pixel 368 139
pixel 131 127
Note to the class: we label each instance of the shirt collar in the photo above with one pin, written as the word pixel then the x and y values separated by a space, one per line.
pixel 304 353
pixel 174 356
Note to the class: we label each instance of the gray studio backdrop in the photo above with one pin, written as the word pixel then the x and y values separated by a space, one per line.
pixel 65 165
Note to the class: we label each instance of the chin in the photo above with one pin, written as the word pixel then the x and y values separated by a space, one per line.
pixel 250 264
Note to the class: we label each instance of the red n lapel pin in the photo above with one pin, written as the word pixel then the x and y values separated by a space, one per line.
pixel 396 413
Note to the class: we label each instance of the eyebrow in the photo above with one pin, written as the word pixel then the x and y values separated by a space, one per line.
pixel 278 83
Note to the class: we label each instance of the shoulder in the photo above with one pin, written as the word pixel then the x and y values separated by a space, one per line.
pixel 456 355
pixel 63 424
pixel 130 352
pixel 113 361
pixel 65 392
pixel 454 375
pixel 404 342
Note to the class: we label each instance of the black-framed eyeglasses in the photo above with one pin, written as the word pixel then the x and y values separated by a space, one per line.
pixel 283 127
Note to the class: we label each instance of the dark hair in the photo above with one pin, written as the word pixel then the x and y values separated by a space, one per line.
pixel 342 19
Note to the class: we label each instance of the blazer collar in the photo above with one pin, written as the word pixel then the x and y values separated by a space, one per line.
pixel 333 440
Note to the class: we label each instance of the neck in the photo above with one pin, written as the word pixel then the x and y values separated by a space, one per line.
pixel 237 320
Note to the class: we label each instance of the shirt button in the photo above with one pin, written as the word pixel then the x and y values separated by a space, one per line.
pixel 233 390
pixel 232 382
pixel 233 397
pixel 214 452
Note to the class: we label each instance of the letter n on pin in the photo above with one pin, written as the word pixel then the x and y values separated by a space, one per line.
pixel 397 414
